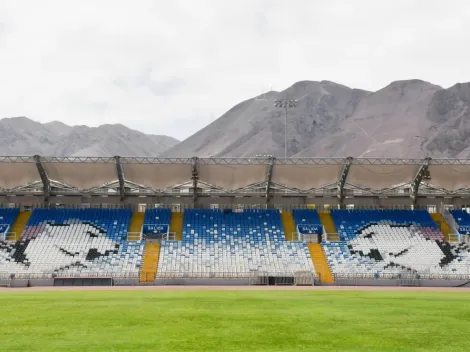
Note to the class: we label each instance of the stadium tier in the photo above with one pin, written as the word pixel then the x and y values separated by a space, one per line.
pixel 225 243
pixel 7 218
pixel 462 218
pixel 307 221
pixel 389 243
pixel 233 244
pixel 157 221
pixel 70 242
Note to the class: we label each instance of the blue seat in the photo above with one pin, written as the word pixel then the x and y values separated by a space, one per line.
pixel 348 222
pixel 308 221
pixel 7 218
pixel 463 220
pixel 222 241
pixel 156 220
pixel 114 222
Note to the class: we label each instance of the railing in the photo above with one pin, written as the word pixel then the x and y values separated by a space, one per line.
pixel 13 236
pixel 331 237
pixel 134 236
pixel 4 231
pixel 221 274
pixel 400 276
pixel 450 221
pixel 253 277
pixel 170 236
pixel 160 275
pixel 104 274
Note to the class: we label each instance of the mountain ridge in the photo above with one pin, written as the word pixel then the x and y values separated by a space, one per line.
pixel 23 136
pixel 407 118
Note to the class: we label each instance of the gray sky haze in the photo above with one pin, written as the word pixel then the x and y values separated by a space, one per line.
pixel 172 67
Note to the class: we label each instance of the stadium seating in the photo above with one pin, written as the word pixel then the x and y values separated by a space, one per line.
pixel 7 218
pixel 387 243
pixel 157 220
pixel 349 222
pixel 462 218
pixel 308 221
pixel 85 242
pixel 233 244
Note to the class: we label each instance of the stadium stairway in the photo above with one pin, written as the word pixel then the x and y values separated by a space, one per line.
pixel 18 226
pixel 135 227
pixel 329 225
pixel 444 227
pixel 176 225
pixel 321 265
pixel 149 267
pixel 288 225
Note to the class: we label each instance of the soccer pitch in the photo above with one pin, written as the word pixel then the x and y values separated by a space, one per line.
pixel 234 321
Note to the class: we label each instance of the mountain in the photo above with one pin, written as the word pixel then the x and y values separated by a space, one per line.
pixel 22 136
pixel 406 119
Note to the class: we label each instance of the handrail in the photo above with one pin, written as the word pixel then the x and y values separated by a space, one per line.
pixel 447 216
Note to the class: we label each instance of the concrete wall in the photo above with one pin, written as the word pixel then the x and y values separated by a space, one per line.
pixel 41 282
pixel 19 283
pixel 126 282
pixel 202 282
pixel 422 283
pixel 4 282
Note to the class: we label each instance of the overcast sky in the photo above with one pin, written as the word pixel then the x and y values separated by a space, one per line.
pixel 171 67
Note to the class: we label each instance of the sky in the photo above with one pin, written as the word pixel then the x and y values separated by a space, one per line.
pixel 172 67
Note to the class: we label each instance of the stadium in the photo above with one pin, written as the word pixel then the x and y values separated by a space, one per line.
pixel 263 232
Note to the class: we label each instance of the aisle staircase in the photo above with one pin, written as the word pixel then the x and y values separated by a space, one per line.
pixel 150 265
pixel 329 225
pixel 289 225
pixel 176 225
pixel 444 227
pixel 135 227
pixel 17 228
pixel 321 265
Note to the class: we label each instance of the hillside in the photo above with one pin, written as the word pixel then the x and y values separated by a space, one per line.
pixel 22 136
pixel 409 118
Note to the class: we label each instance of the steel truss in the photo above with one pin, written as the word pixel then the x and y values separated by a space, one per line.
pixel 194 189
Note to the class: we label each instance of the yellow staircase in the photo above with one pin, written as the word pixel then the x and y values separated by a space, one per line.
pixel 320 263
pixel 135 227
pixel 444 227
pixel 150 265
pixel 176 225
pixel 329 225
pixel 289 225
pixel 18 226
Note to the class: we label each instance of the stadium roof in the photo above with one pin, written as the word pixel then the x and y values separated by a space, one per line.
pixel 265 176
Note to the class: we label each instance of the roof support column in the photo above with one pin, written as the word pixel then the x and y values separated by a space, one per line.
pixel 120 175
pixel 44 178
pixel 342 180
pixel 422 172
pixel 194 178
pixel 269 177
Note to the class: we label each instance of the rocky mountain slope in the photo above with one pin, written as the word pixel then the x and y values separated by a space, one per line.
pixel 405 119
pixel 22 136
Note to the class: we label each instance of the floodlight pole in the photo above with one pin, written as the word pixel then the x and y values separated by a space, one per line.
pixel 286 104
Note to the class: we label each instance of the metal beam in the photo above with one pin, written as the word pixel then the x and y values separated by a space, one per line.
pixel 232 161
pixel 44 178
pixel 422 172
pixel 194 178
pixel 269 177
pixel 121 178
pixel 342 179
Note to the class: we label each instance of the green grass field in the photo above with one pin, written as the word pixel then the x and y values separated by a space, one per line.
pixel 234 321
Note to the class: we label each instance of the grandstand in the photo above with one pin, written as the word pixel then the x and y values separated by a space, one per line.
pixel 264 220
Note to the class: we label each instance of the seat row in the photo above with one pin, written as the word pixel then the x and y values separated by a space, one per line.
pixel 74 242
pixel 234 243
